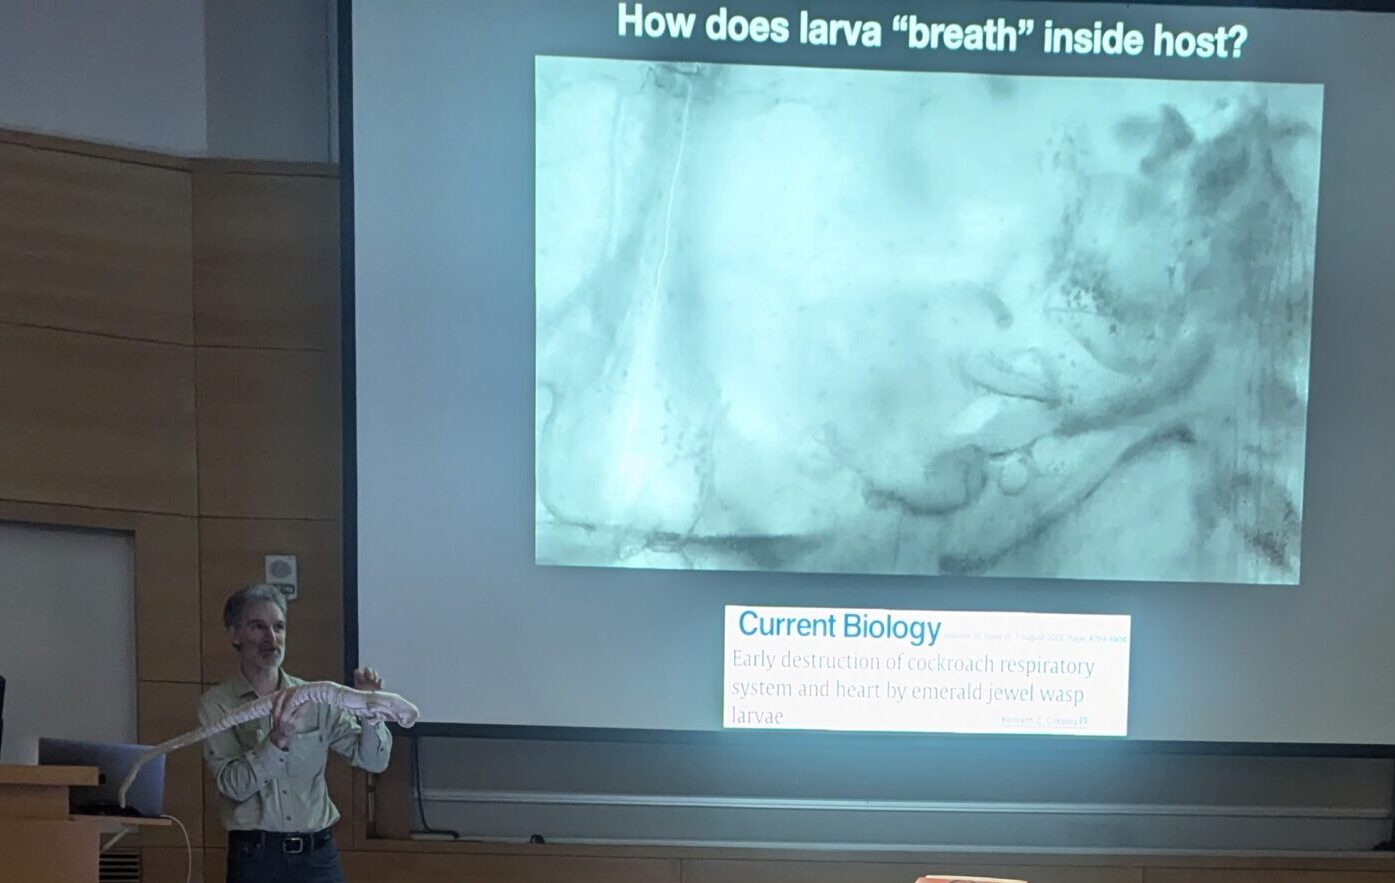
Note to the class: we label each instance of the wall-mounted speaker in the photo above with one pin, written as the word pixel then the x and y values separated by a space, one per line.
pixel 282 572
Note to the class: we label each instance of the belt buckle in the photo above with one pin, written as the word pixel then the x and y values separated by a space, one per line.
pixel 293 845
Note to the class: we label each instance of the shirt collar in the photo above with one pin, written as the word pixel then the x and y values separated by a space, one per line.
pixel 244 687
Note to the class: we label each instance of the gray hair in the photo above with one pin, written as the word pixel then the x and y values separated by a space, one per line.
pixel 250 594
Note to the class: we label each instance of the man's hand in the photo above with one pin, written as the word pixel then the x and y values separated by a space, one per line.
pixel 367 679
pixel 286 721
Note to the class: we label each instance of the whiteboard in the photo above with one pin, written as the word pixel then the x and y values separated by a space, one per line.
pixel 67 637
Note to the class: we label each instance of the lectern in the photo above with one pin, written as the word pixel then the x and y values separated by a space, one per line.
pixel 39 840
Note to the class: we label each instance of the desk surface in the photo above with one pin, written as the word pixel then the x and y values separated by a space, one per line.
pixel 42 774
pixel 112 824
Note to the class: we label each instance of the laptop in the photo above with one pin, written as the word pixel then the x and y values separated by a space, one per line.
pixel 147 794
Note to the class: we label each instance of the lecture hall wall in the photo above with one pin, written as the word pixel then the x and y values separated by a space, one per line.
pixel 169 367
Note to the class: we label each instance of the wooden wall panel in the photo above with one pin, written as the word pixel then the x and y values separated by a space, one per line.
pixel 266 260
pixel 171 865
pixel 95 244
pixel 166 711
pixel 96 421
pixel 231 555
pixel 815 871
pixel 215 864
pixel 167 581
pixel 490 861
pixel 168 642
pixel 269 433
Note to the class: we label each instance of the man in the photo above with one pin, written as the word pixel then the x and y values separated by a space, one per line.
pixel 271 772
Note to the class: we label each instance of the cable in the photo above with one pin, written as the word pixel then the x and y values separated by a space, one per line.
pixel 416 790
pixel 188 850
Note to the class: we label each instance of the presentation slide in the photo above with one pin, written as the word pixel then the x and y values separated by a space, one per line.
pixel 748 366
pixel 926 671
pixel 887 322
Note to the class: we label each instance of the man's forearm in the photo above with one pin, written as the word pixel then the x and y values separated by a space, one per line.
pixel 374 748
pixel 238 778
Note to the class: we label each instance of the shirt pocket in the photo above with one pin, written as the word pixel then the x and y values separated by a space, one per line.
pixel 252 733
pixel 309 752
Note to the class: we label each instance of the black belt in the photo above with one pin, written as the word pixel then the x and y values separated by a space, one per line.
pixel 290 844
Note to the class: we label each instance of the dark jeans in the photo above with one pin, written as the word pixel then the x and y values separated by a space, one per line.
pixel 268 858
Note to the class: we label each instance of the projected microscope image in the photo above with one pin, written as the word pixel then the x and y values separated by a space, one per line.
pixel 795 319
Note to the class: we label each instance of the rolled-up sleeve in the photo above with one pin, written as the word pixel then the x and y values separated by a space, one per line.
pixel 238 773
pixel 367 748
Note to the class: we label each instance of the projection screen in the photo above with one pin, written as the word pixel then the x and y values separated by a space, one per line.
pixel 659 314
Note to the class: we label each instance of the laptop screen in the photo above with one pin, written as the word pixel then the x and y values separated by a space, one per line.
pixel 146 795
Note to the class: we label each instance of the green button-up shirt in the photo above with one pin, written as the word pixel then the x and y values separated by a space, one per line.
pixel 264 788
